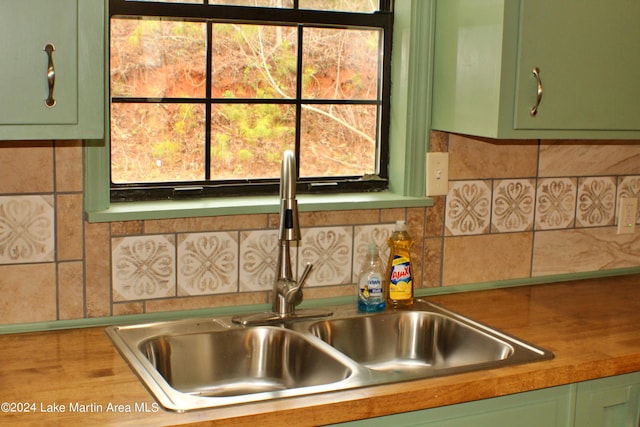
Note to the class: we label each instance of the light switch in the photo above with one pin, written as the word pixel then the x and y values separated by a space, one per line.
pixel 437 174
pixel 627 215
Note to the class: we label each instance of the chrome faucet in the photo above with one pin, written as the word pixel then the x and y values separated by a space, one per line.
pixel 287 293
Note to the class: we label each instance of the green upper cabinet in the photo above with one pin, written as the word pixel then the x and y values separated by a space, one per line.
pixel 587 53
pixel 70 78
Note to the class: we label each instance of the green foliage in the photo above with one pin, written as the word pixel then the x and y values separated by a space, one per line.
pixel 220 147
pixel 166 150
pixel 184 120
pixel 244 155
pixel 258 123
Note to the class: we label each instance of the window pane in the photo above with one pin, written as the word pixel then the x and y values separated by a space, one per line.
pixel 338 140
pixel 340 64
pixel 253 61
pixel 261 3
pixel 157 142
pixel 173 1
pixel 366 6
pixel 247 140
pixel 152 58
pixel 195 98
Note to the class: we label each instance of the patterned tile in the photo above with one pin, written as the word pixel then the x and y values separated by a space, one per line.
pixel 513 205
pixel 143 267
pixel 259 259
pixel 596 201
pixel 556 207
pixel 365 234
pixel 629 186
pixel 207 263
pixel 26 229
pixel 468 209
pixel 329 249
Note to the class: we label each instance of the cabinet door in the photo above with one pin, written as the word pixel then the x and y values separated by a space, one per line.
pixel 76 29
pixel 549 408
pixel 26 26
pixel 588 53
pixel 609 402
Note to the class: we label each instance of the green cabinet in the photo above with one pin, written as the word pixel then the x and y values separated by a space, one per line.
pixel 606 402
pixel 586 51
pixel 609 402
pixel 70 76
pixel 548 408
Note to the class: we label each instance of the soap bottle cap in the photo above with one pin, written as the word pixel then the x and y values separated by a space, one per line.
pixel 372 249
pixel 401 225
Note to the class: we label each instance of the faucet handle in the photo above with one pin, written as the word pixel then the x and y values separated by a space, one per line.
pixel 305 273
pixel 294 295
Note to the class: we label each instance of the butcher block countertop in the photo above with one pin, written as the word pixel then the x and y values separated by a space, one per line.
pixel 76 377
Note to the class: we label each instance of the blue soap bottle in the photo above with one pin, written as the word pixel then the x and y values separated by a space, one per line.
pixel 371 297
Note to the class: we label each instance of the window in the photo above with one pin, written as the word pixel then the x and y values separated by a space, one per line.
pixel 205 97
pixel 408 142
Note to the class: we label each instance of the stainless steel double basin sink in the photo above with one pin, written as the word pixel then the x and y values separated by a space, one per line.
pixel 209 362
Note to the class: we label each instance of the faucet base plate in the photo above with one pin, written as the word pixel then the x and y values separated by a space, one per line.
pixel 270 318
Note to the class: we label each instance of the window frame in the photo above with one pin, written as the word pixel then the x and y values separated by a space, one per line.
pixel 408 143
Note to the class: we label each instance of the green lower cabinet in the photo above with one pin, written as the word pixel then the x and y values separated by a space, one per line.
pixel 607 402
pixel 540 408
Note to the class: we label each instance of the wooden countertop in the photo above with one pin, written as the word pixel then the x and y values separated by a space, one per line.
pixel 592 327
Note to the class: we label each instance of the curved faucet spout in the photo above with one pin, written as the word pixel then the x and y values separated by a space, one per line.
pixel 287 293
pixel 288 176
pixel 289 225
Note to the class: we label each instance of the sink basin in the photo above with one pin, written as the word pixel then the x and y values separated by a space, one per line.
pixel 420 343
pixel 200 363
pixel 241 361
pixel 210 362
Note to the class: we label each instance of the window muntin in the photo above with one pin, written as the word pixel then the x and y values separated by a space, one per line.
pixel 263 98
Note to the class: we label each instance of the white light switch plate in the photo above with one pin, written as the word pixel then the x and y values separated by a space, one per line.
pixel 437 174
pixel 627 215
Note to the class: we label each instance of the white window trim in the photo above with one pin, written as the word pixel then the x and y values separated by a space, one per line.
pixel 408 143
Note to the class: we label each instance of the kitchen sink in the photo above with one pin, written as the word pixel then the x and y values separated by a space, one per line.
pixel 423 342
pixel 199 363
pixel 411 341
pixel 241 361
pixel 202 363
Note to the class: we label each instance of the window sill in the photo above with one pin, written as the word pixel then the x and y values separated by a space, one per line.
pixel 167 209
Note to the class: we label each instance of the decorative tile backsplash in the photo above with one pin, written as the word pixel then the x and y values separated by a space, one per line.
pixel 515 210
pixel 513 205
pixel 207 263
pixel 259 259
pixel 143 267
pixel 151 266
pixel 26 229
pixel 468 208
pixel 596 201
pixel 555 203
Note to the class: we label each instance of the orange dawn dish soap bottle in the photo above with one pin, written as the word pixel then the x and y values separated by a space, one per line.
pixel 399 271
